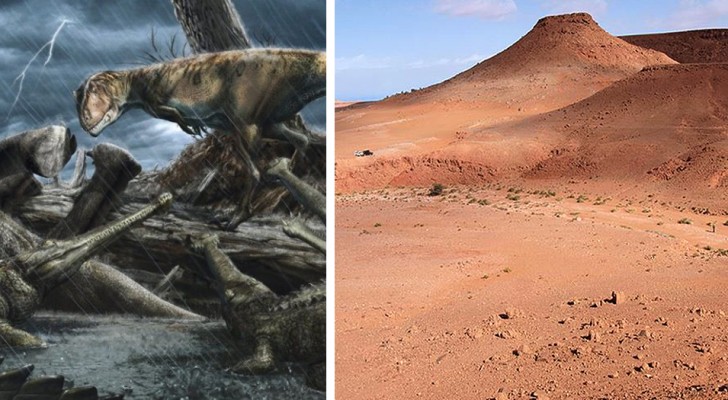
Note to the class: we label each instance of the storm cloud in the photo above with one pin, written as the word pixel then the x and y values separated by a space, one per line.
pixel 103 35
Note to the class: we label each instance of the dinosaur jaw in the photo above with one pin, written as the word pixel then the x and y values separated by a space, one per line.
pixel 56 261
pixel 108 118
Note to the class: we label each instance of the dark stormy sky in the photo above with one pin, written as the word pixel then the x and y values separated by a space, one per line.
pixel 107 35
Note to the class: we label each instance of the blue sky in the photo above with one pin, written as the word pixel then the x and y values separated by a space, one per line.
pixel 387 46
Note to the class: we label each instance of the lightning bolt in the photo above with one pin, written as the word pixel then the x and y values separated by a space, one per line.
pixel 20 79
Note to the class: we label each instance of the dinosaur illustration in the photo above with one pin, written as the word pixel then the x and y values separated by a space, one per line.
pixel 247 92
pixel 288 328
pixel 28 275
pixel 16 384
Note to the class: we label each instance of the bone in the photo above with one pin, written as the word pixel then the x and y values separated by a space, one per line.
pixel 79 172
pixel 165 285
pixel 295 228
pixel 232 285
pixel 307 195
pixel 115 167
pixel 41 151
pixel 296 138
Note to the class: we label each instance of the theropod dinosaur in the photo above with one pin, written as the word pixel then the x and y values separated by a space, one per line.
pixel 250 93
pixel 28 275
pixel 288 328
pixel 15 384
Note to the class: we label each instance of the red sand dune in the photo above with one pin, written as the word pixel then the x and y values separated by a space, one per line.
pixel 701 46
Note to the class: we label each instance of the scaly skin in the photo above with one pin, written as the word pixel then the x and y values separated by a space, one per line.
pixel 285 329
pixel 240 91
pixel 26 277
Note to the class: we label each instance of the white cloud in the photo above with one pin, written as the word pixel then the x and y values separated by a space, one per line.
pixel 486 9
pixel 361 61
pixel 364 62
pixel 698 14
pixel 469 60
pixel 594 7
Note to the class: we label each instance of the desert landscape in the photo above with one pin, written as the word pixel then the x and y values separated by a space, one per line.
pixel 551 223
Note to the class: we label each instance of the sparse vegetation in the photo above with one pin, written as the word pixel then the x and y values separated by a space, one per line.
pixel 513 197
pixel 377 225
pixel 436 189
pixel 581 198
pixel 685 221
pixel 599 201
pixel 506 270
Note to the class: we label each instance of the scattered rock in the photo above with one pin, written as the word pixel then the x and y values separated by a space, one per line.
pixel 523 350
pixel 618 298
pixel 511 313
pixel 645 333
pixel 613 375
pixel 508 334
pixel 539 395
pixel 642 368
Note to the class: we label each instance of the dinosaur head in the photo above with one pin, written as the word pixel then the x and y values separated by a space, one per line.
pixel 55 261
pixel 100 101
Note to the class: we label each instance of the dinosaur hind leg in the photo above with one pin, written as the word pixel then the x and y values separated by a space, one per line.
pixel 13 337
pixel 245 144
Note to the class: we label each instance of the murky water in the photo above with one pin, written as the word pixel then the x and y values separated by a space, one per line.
pixel 150 359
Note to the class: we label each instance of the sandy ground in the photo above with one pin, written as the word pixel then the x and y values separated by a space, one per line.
pixel 474 295
pixel 570 159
